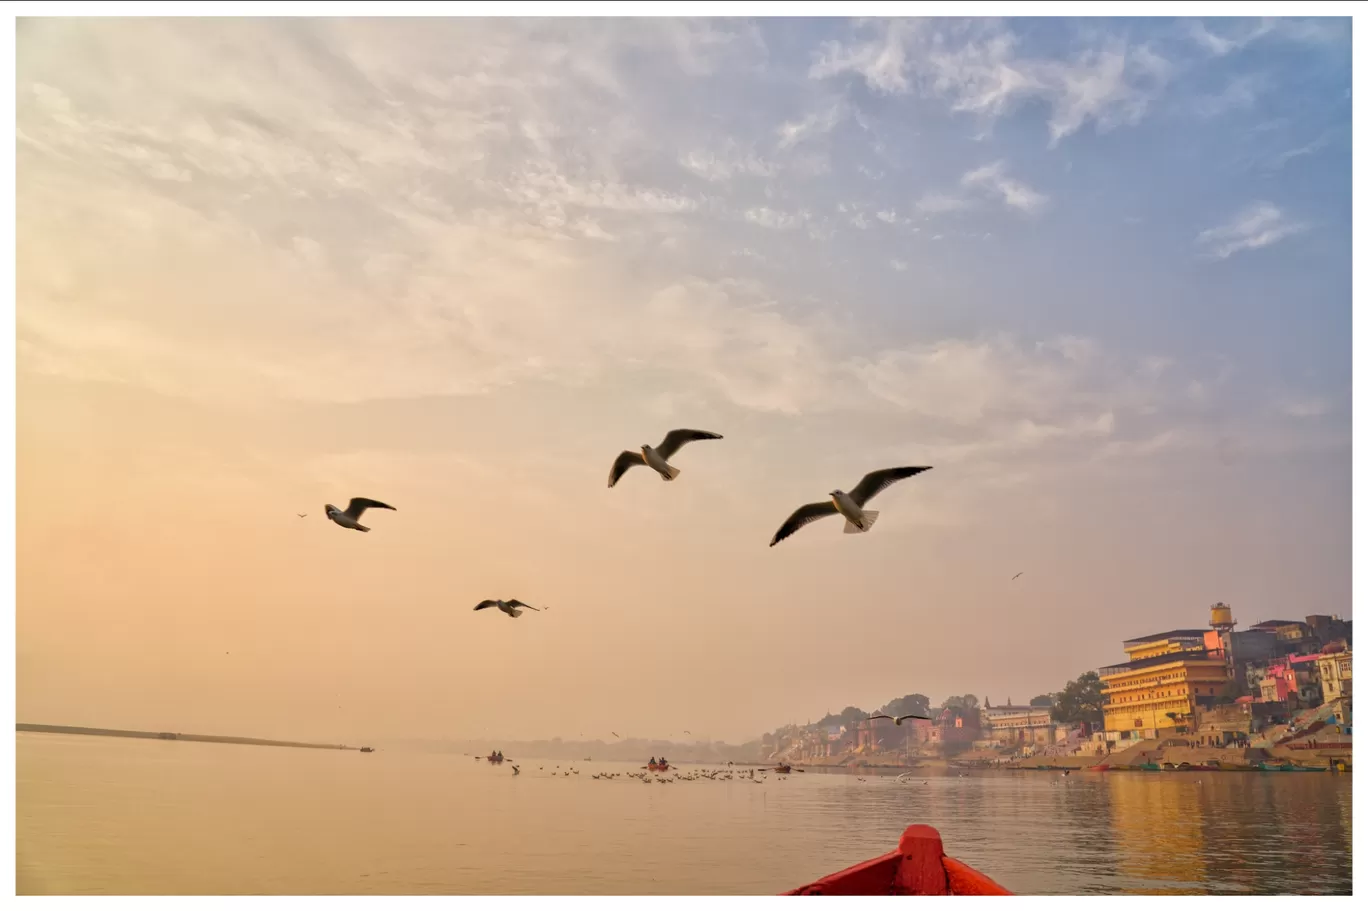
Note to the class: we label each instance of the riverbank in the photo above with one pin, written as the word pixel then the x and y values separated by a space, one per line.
pixel 166 735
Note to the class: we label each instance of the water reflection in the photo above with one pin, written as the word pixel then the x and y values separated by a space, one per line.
pixel 123 816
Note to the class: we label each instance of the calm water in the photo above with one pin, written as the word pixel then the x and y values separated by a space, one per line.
pixel 106 815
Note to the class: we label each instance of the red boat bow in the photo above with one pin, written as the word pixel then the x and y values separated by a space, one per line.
pixel 918 867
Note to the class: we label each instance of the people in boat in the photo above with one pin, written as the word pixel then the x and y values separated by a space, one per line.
pixel 662 761
pixel 653 761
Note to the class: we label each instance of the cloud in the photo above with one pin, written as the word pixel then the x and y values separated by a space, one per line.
pixel 816 124
pixel 977 69
pixel 724 167
pixel 432 215
pixel 1240 94
pixel 1014 194
pixel 1258 225
pixel 1318 31
pixel 1279 161
pixel 1304 408
pixel 771 218
pixel 938 203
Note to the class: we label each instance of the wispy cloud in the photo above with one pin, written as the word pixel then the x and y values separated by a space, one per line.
pixel 1258 225
pixel 1303 408
pixel 1240 94
pixel 1014 194
pixel 978 70
pixel 818 123
pixel 1279 161
pixel 938 203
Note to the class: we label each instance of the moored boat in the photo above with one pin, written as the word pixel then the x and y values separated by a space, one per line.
pixel 918 867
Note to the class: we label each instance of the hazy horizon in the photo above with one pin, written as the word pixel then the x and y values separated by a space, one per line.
pixel 1095 271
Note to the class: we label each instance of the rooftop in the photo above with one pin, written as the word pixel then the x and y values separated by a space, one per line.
pixel 1171 634
pixel 1157 660
pixel 1271 623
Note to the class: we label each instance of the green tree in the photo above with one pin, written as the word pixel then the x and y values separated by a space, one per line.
pixel 962 704
pixel 911 704
pixel 1043 701
pixel 1081 700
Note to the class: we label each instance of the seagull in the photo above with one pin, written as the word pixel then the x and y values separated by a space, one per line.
pixel 1014 578
pixel 657 458
pixel 616 734
pixel 351 518
pixel 901 718
pixel 301 514
pixel 850 505
pixel 512 608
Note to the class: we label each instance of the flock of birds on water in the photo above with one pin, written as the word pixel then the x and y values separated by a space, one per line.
pixel 751 775
pixel 851 505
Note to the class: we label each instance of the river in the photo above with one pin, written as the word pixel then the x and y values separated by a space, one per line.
pixel 99 815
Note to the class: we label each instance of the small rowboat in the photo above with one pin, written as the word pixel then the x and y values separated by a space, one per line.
pixel 918 867
pixel 659 767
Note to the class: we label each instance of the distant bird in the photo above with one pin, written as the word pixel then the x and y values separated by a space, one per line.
pixel 657 458
pixel 689 732
pixel 901 718
pixel 616 734
pixel 1014 578
pixel 850 505
pixel 512 608
pixel 351 517
pixel 515 771
pixel 301 514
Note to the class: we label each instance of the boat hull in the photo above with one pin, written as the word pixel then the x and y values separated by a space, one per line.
pixel 918 867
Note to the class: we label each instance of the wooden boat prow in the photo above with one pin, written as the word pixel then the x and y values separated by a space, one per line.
pixel 918 867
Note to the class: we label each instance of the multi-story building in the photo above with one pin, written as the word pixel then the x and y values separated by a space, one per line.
pixel 1019 724
pixel 1336 673
pixel 1159 689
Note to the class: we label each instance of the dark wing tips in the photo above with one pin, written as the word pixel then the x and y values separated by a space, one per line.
pixel 363 503
pixel 483 604
pixel 802 516
pixel 677 438
pixel 875 481
pixel 625 460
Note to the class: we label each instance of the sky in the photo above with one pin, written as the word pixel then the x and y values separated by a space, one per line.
pixel 1095 272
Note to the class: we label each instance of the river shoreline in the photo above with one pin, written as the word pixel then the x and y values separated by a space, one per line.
pixel 167 735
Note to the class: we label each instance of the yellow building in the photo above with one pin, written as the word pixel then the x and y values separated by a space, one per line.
pixel 1336 675
pixel 1159 688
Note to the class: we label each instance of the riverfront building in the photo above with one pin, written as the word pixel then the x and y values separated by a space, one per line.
pixel 1159 689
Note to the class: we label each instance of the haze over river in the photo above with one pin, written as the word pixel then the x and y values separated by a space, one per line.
pixel 115 816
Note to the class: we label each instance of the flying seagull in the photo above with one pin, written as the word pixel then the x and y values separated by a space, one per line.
pixel 351 518
pixel 657 458
pixel 301 514
pixel 512 608
pixel 901 718
pixel 1014 578
pixel 616 734
pixel 850 505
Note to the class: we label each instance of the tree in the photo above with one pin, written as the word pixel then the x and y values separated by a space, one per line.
pixel 1081 700
pixel 1043 701
pixel 964 705
pixel 848 717
pixel 912 704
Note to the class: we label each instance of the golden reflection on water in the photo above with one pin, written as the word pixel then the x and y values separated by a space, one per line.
pixel 106 815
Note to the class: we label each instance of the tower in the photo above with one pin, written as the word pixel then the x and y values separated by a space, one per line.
pixel 1222 618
